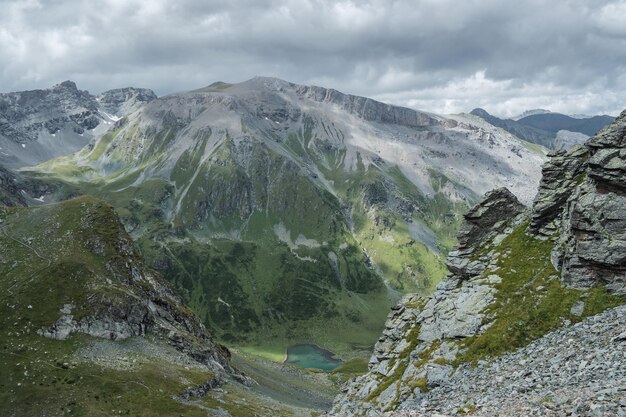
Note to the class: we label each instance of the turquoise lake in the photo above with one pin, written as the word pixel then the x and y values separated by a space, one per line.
pixel 312 356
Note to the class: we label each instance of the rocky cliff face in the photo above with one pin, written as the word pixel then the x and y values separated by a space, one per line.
pixel 41 124
pixel 582 200
pixel 516 276
pixel 368 109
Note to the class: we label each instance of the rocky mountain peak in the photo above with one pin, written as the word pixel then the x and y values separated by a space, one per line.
pixel 38 125
pixel 268 91
pixel 488 216
pixel 480 112
pixel 66 85
pixel 122 101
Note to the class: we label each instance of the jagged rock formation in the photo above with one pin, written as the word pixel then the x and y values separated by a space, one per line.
pixel 41 124
pixel 516 276
pixel 122 101
pixel 560 176
pixel 581 197
pixel 482 223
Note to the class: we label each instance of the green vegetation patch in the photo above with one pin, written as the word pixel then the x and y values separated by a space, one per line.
pixel 530 301
pixel 44 377
pixel 407 264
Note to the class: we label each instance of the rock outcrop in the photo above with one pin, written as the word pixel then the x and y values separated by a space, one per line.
pixel 582 201
pixel 559 177
pixel 482 223
pixel 515 277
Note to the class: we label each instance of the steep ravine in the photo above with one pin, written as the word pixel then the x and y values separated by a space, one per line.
pixel 520 286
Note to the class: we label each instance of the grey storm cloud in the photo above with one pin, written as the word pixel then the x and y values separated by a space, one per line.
pixel 438 55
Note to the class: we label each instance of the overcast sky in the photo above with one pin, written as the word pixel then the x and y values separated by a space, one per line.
pixel 443 56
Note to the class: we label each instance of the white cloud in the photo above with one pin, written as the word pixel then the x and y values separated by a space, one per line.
pixel 611 18
pixel 438 55
pixel 505 98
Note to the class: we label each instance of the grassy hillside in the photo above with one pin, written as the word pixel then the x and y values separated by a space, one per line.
pixel 74 258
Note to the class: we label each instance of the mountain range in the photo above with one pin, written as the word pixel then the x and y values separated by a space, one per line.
pixel 549 129
pixel 142 231
pixel 278 209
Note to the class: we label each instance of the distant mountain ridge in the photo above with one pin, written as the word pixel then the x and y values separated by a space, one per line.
pixel 531 112
pixel 543 126
pixel 38 125
pixel 522 131
pixel 553 122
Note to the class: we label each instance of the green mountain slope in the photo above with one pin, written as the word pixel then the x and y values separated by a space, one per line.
pixel 72 284
pixel 285 213
pixel 89 330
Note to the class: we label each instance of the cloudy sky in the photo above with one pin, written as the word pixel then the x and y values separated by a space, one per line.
pixel 443 56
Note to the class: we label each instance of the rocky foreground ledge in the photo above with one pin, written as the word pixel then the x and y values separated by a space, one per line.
pixel 561 374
